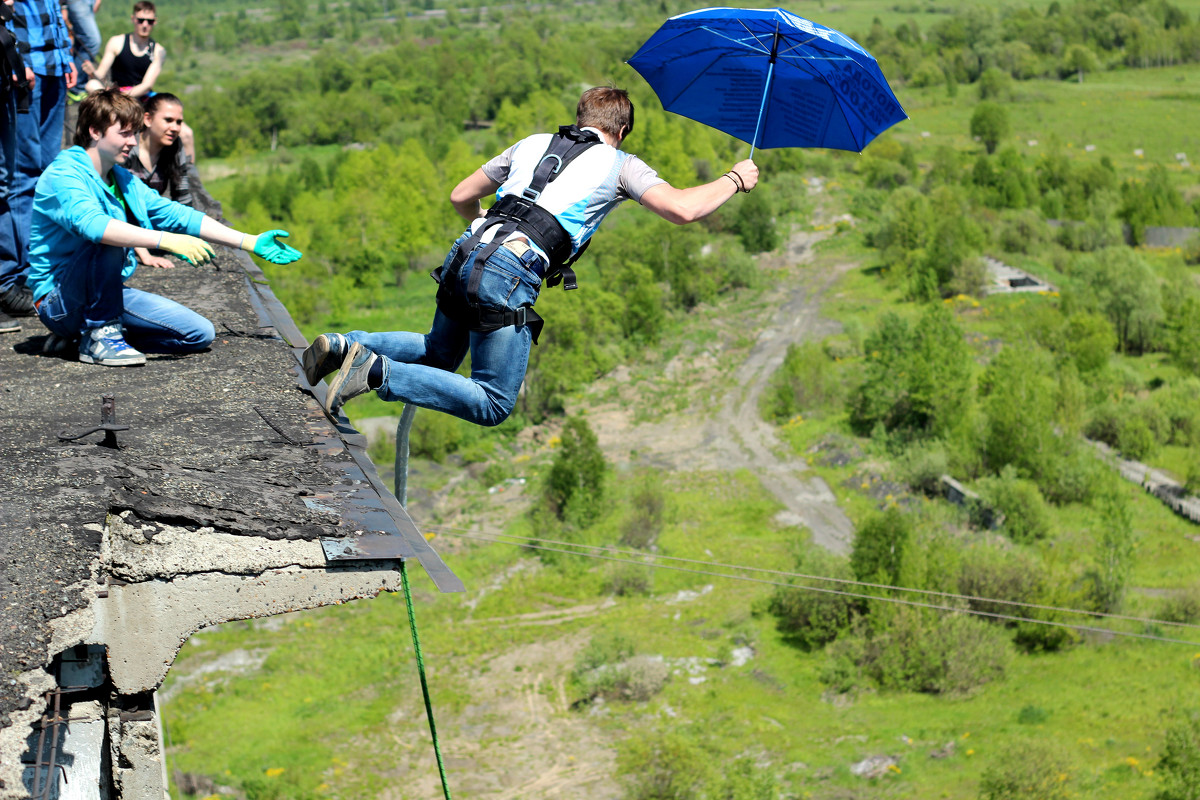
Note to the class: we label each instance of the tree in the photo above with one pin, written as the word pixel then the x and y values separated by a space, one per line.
pixel 1114 553
pixel 1127 291
pixel 1078 59
pixel 879 547
pixel 575 484
pixel 989 124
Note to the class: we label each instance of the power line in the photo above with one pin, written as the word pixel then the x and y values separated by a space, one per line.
pixel 539 544
pixel 845 581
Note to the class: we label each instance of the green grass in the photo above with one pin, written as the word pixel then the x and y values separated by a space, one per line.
pixel 1118 112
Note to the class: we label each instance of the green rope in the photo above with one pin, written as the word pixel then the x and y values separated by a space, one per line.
pixel 412 624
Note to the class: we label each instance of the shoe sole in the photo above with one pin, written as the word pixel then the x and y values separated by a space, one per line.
pixel 313 358
pixel 339 380
pixel 135 361
pixel 13 328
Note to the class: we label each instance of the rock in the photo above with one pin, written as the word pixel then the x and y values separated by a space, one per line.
pixel 873 766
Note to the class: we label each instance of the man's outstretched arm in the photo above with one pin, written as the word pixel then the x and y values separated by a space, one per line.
pixel 682 206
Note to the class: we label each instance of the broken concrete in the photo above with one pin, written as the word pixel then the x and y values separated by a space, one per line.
pixel 230 496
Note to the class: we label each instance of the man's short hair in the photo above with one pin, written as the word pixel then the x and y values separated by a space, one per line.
pixel 100 110
pixel 606 108
pixel 144 5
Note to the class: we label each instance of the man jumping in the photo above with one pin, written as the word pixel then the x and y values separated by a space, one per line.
pixel 553 191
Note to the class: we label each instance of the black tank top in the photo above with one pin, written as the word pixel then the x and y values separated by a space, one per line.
pixel 128 69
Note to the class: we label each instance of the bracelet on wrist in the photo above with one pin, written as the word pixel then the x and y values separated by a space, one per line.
pixel 741 182
pixel 736 187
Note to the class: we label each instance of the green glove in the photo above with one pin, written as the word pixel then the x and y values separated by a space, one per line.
pixel 189 248
pixel 267 246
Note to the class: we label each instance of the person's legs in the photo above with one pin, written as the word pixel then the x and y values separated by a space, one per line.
pixel 39 139
pixel 157 324
pixel 9 261
pixel 87 33
pixel 420 370
pixel 87 294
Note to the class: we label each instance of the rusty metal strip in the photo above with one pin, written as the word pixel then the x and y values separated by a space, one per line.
pixel 397 535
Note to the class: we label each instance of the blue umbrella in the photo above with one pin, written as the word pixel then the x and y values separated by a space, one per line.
pixel 770 78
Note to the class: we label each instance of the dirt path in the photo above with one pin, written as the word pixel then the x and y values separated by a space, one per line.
pixel 734 436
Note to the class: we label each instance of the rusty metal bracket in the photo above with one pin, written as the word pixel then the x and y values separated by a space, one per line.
pixel 108 424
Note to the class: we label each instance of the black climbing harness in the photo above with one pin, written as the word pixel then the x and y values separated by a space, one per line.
pixel 518 213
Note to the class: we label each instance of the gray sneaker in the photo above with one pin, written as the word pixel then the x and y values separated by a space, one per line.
pixel 8 324
pixel 324 356
pixel 106 346
pixel 351 380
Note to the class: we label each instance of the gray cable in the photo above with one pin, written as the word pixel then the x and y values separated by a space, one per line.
pixel 494 538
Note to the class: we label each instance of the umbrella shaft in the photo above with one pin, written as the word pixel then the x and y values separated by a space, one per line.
pixel 762 107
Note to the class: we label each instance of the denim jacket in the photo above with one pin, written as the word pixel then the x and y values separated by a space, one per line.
pixel 72 208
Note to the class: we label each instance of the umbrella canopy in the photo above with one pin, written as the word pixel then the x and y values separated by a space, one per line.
pixel 770 78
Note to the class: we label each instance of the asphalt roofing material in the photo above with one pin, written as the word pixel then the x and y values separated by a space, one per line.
pixel 228 440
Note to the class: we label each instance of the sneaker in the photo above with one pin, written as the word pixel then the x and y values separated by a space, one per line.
pixel 56 345
pixel 17 301
pixel 324 356
pixel 8 324
pixel 106 346
pixel 76 95
pixel 351 380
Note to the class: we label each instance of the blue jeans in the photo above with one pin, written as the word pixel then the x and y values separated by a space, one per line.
pixel 87 34
pixel 89 293
pixel 39 139
pixel 421 369
pixel 8 164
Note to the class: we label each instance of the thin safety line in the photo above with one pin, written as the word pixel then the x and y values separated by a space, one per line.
pixel 416 639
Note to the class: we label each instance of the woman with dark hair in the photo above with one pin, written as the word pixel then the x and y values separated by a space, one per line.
pixel 158 160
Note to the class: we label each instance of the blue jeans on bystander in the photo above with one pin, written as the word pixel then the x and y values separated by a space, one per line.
pixel 87 35
pixel 8 165
pixel 39 140
pixel 421 369
pixel 89 294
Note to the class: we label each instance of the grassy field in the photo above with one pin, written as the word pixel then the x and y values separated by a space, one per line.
pixel 326 703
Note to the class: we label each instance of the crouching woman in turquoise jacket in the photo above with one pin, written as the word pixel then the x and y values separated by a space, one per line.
pixel 88 214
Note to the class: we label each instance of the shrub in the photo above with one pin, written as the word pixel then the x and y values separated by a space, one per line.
pixel 434 436
pixel 806 381
pixel 1183 606
pixel 745 780
pixel 1026 516
pixel 922 466
pixel 925 651
pixel 665 766
pixel 1026 771
pixel 809 618
pixel 626 580
pixel 1032 715
pixel 999 574
pixel 1180 761
pixel 1023 231
pixel 968 276
pixel 645 521
pixel 879 546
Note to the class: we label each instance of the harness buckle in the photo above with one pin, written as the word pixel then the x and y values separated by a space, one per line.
pixel 530 195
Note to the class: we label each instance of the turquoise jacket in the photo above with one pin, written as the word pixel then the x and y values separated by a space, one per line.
pixel 71 209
